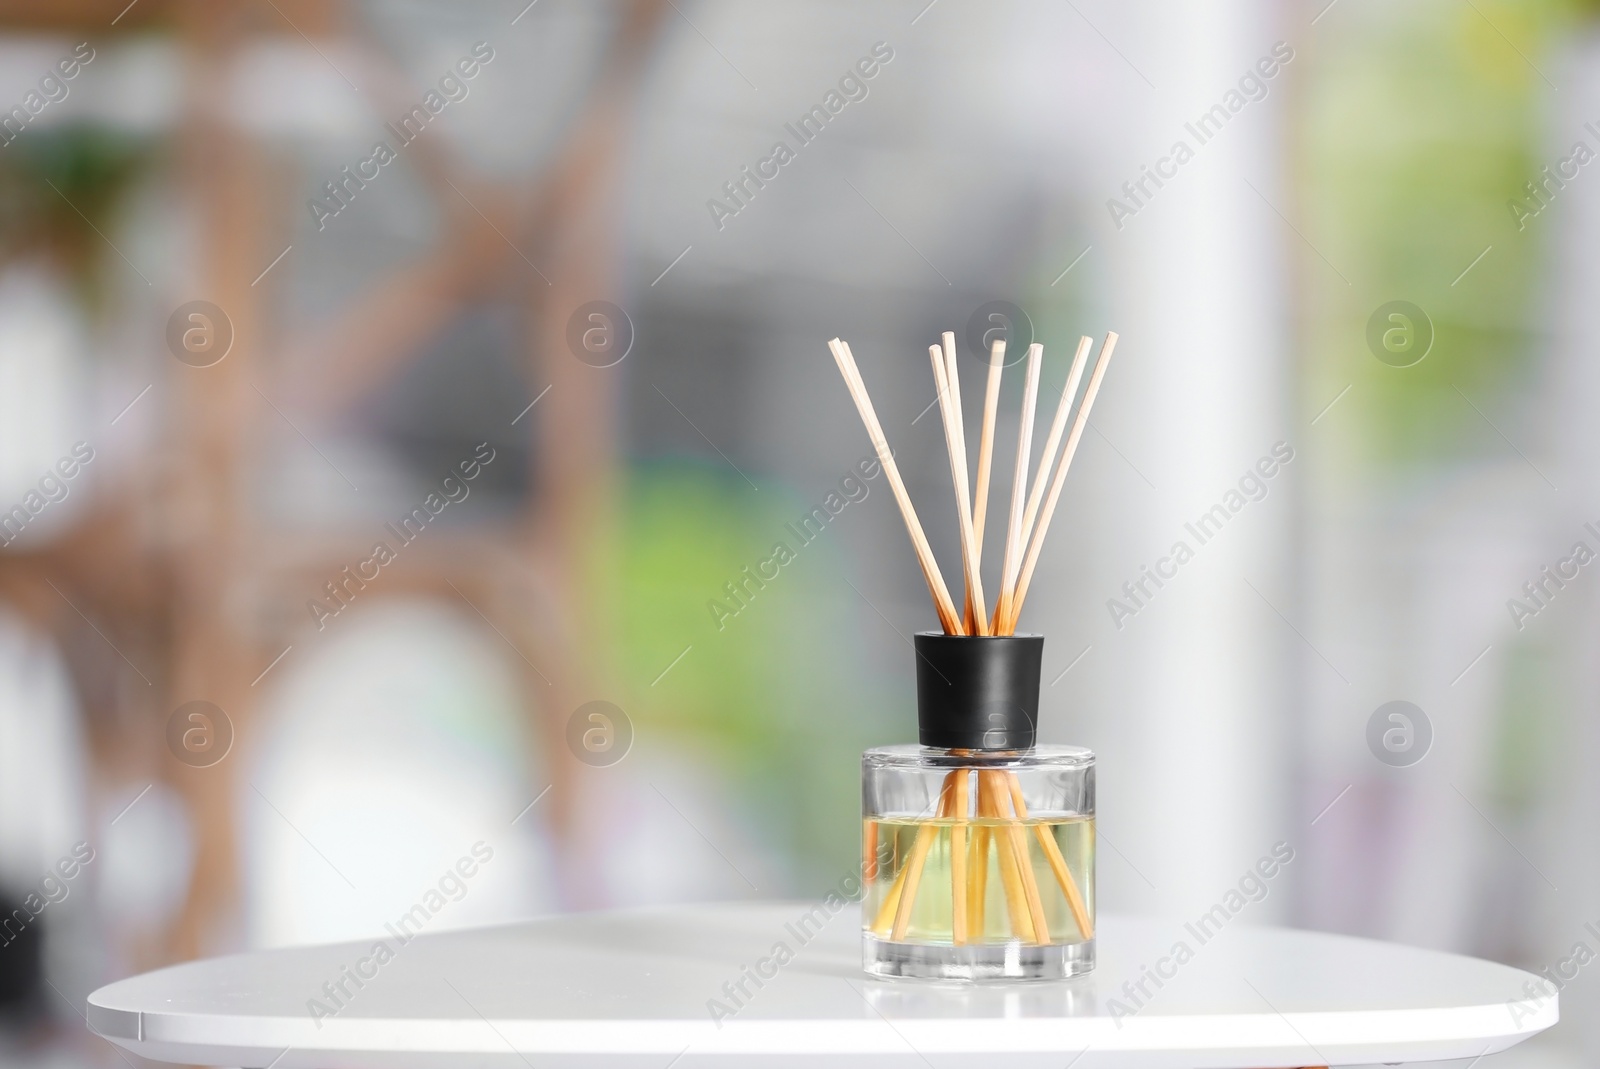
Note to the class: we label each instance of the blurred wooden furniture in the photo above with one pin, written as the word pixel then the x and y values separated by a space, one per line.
pixel 174 590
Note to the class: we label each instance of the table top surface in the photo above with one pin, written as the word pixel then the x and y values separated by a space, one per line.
pixel 661 987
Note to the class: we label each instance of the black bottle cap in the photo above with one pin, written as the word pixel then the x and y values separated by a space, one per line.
pixel 978 692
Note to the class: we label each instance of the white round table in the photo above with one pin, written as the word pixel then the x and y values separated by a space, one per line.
pixel 662 987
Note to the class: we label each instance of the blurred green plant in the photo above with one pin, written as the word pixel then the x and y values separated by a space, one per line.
pixel 1419 122
pixel 1528 725
pixel 778 699
pixel 57 186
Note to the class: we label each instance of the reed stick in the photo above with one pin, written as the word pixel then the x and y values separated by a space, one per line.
pixel 1058 864
pixel 1019 491
pixel 948 618
pixel 926 834
pixel 1078 425
pixel 889 908
pixel 884 921
pixel 1069 886
pixel 991 404
pixel 952 372
pixel 978 880
pixel 958 861
pixel 969 555
pixel 914 866
pixel 1019 847
pixel 869 851
pixel 1052 442
pixel 1010 871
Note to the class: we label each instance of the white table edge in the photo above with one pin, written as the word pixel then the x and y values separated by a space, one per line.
pixel 1432 1033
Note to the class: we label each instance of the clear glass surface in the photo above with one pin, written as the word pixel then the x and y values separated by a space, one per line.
pixel 978 865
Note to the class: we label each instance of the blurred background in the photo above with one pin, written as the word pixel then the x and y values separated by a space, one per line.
pixel 384 384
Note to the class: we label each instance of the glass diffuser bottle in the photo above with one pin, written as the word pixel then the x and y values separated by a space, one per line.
pixel 978 845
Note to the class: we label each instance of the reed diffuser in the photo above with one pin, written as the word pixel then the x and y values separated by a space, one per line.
pixel 978 844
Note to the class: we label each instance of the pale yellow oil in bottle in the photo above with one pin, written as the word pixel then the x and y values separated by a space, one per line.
pixel 990 847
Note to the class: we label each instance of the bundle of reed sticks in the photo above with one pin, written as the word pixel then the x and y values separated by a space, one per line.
pixel 990 798
pixel 1031 509
pixel 996 817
